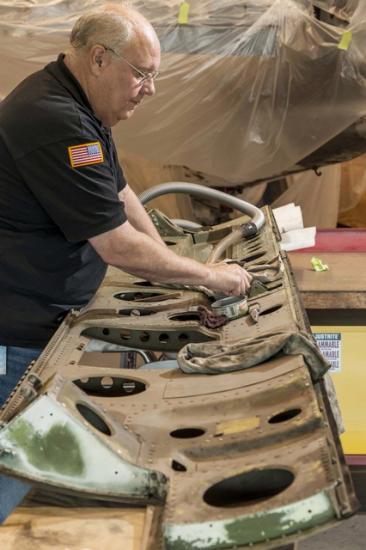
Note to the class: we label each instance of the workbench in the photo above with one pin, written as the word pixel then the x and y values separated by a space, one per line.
pixel 343 286
pixel 335 300
pixel 55 528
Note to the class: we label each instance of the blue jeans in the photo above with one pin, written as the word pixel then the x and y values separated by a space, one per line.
pixel 17 361
pixel 12 491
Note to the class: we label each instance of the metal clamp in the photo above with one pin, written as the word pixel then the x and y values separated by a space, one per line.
pixel 231 306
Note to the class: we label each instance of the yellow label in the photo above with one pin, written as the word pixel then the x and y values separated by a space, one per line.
pixel 237 425
pixel 183 13
pixel 350 383
pixel 345 41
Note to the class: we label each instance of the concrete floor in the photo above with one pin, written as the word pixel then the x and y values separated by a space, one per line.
pixel 350 534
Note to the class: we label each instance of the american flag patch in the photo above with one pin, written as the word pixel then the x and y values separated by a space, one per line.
pixel 85 154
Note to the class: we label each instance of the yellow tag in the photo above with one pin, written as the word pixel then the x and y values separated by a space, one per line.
pixel 345 41
pixel 238 425
pixel 183 13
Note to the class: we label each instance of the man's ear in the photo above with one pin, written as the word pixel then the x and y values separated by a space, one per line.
pixel 97 59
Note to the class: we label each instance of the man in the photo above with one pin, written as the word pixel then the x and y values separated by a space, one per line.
pixel 66 211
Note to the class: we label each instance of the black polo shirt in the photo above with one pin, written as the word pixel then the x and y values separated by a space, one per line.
pixel 59 184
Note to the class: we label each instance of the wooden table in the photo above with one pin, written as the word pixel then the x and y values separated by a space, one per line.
pixel 46 528
pixel 343 286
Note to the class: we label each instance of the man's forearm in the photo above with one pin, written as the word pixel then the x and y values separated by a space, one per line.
pixel 138 254
pixel 137 215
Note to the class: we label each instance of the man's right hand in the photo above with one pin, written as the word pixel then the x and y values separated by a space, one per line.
pixel 139 254
pixel 231 279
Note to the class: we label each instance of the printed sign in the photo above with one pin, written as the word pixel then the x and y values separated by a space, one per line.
pixel 329 344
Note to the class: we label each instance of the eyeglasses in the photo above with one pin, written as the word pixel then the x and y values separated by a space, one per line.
pixel 141 76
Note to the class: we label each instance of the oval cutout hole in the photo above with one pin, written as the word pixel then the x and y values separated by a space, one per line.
pixel 274 286
pixel 284 416
pixel 247 488
pixel 144 283
pixel 93 418
pixel 178 467
pixel 110 386
pixel 270 310
pixel 254 257
pixel 187 433
pixel 186 316
pixel 144 296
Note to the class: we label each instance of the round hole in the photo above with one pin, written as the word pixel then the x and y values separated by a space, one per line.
pixel 186 433
pixel 163 338
pixel 144 336
pixel 253 486
pixel 93 418
pixel 105 331
pixel 125 335
pixel 107 382
pixel 129 386
pixel 283 416
pixel 183 337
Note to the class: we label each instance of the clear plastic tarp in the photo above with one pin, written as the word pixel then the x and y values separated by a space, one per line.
pixel 248 88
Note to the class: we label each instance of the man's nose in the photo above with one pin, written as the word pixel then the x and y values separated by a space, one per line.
pixel 149 86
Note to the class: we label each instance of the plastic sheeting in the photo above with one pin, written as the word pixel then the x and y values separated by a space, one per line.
pixel 343 9
pixel 248 89
pixel 318 196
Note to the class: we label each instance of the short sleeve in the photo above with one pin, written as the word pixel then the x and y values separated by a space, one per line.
pixel 76 182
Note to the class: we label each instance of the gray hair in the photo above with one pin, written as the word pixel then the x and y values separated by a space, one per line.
pixel 111 27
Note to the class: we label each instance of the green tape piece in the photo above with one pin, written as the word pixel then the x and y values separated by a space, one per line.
pixel 318 265
pixel 183 13
pixel 345 40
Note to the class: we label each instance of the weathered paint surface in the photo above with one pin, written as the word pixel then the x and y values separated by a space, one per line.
pixel 45 443
pixel 57 449
pixel 230 444
pixel 253 528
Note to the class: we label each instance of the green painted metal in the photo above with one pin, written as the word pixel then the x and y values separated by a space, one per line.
pixel 253 528
pixel 51 443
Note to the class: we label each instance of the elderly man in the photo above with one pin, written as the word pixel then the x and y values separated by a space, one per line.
pixel 66 211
